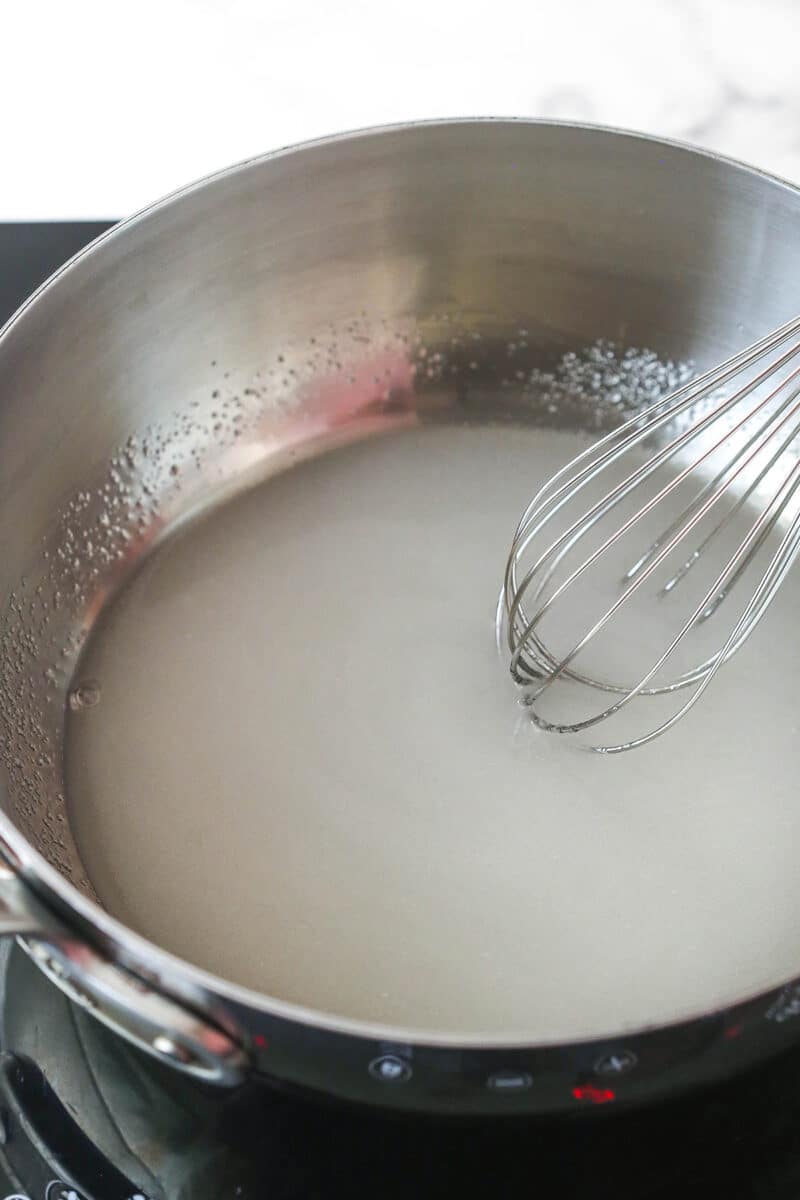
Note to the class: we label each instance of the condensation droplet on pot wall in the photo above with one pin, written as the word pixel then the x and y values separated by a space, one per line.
pixel 111 520
pixel 85 695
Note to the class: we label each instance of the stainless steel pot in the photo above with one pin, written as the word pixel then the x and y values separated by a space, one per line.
pixel 574 233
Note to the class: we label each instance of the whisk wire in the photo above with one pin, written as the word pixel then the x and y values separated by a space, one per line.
pixel 580 527
pixel 672 405
pixel 569 491
pixel 792 482
pixel 770 398
pixel 758 605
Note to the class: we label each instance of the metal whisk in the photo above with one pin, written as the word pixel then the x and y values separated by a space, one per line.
pixel 691 498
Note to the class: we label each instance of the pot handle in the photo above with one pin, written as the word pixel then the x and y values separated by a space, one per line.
pixel 157 1024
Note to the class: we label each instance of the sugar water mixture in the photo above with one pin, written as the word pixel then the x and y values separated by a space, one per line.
pixel 308 772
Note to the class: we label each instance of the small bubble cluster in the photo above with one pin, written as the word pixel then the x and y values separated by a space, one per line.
pixel 85 695
pixel 606 383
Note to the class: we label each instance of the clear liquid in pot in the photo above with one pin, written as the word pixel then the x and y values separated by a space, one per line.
pixel 304 769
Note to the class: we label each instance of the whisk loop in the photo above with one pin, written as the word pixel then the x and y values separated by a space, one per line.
pixel 689 498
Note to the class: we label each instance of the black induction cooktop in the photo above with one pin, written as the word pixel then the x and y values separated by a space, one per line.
pixel 84 1116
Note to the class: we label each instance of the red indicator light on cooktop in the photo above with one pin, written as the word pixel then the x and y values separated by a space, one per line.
pixel 260 1041
pixel 593 1095
pixel 734 1032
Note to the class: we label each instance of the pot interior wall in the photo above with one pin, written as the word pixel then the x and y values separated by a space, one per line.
pixel 352 286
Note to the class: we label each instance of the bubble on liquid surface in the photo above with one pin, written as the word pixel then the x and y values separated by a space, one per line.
pixel 85 695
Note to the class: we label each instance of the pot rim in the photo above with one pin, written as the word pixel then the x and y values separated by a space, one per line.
pixel 176 974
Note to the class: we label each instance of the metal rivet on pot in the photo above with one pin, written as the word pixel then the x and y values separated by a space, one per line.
pixel 170 1049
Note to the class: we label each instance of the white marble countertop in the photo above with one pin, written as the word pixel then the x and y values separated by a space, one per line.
pixel 105 110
